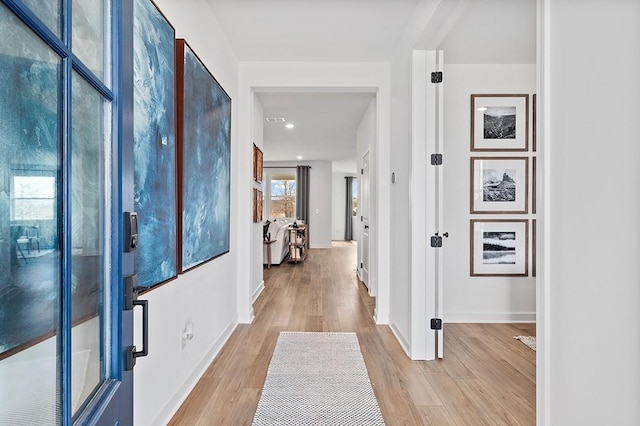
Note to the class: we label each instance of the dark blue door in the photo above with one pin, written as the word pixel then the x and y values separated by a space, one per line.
pixel 63 97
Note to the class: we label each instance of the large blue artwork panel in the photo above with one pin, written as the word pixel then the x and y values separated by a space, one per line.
pixel 204 135
pixel 154 145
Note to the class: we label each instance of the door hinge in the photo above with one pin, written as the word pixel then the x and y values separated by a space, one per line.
pixel 436 323
pixel 361 171
pixel 436 77
pixel 361 265
pixel 436 240
pixel 436 159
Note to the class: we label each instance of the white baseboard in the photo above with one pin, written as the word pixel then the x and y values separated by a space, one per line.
pixel 172 406
pixel 401 339
pixel 257 293
pixel 490 317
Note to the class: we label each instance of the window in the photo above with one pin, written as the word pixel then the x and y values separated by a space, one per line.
pixel 354 197
pixel 279 189
pixel 33 198
pixel 283 196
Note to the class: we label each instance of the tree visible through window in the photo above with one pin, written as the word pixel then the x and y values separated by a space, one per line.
pixel 354 197
pixel 33 197
pixel 283 196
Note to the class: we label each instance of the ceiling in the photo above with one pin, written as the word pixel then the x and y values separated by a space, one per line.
pixel 492 32
pixel 313 30
pixel 487 31
pixel 325 127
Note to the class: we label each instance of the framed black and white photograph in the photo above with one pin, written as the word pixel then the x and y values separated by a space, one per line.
pixel 499 247
pixel 534 119
pixel 499 185
pixel 533 185
pixel 534 255
pixel 499 122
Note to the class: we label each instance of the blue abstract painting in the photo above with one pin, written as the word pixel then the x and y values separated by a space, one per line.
pixel 206 152
pixel 154 145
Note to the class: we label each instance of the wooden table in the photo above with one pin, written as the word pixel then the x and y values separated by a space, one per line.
pixel 268 244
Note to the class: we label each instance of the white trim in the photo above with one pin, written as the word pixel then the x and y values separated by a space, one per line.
pixel 490 317
pixel 543 145
pixel 175 402
pixel 422 293
pixel 257 293
pixel 400 338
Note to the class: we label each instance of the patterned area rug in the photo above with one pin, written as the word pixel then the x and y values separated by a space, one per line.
pixel 527 340
pixel 317 379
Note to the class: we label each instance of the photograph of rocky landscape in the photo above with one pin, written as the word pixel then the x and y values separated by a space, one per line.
pixel 499 185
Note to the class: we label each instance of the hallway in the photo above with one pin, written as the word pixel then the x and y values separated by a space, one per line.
pixel 487 377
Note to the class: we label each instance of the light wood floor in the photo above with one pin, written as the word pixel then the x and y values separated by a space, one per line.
pixel 486 377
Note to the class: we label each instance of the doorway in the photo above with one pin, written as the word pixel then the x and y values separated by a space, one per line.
pixel 261 79
pixel 473 66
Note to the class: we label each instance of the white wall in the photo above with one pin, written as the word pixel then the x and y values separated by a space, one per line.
pixel 257 282
pixel 320 210
pixel 590 272
pixel 400 310
pixel 466 298
pixel 400 299
pixel 206 295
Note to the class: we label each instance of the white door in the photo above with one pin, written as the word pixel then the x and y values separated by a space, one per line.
pixel 439 200
pixel 434 130
pixel 427 221
pixel 363 204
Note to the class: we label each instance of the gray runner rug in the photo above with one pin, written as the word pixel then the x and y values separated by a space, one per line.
pixel 317 379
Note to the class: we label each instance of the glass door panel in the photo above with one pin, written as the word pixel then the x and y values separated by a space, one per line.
pixel 30 231
pixel 90 251
pixel 49 12
pixel 91 35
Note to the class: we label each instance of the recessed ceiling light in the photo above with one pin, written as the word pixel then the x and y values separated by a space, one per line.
pixel 299 157
pixel 275 119
pixel 289 126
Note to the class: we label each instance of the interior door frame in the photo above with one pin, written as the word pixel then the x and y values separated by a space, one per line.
pixel 423 196
pixel 365 202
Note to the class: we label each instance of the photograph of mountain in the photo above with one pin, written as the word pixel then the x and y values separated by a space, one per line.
pixel 500 122
pixel 499 185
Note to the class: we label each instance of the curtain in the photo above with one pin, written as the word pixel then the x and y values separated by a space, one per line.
pixel 302 193
pixel 348 211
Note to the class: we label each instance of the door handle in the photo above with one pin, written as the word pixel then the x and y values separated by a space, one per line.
pixel 132 354
pixel 366 227
pixel 130 302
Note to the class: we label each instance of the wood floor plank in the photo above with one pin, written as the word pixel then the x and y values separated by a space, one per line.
pixel 486 377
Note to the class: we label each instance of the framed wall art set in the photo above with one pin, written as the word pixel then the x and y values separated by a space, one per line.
pixel 182 150
pixel 502 177
pixel 258 196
